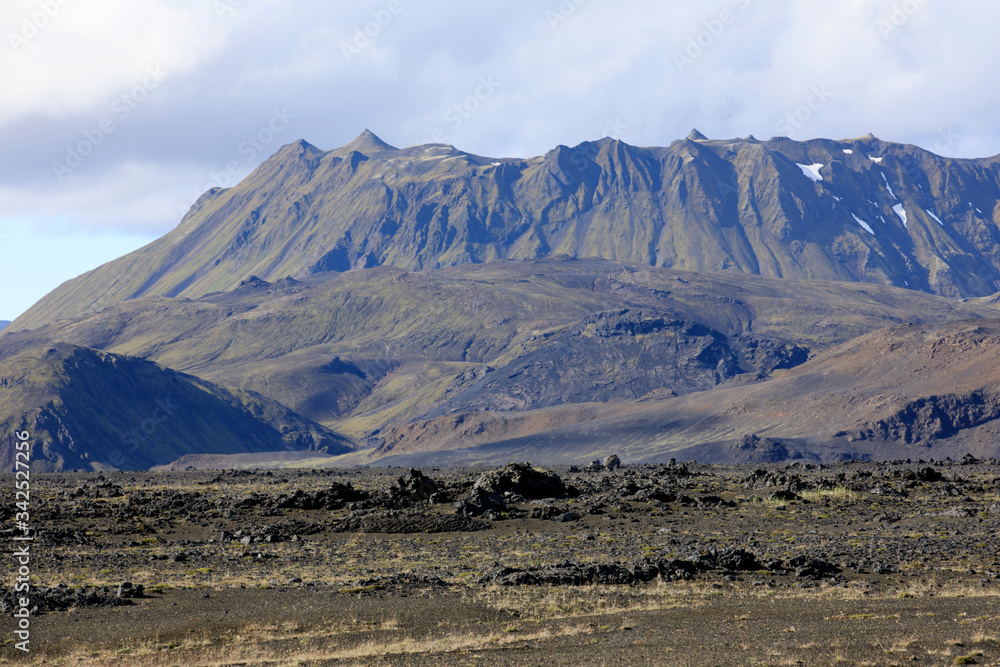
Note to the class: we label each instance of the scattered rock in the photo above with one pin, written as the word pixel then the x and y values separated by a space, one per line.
pixel 812 568
pixel 129 590
pixel 765 479
pixel 416 486
pixel 928 474
pixel 479 502
pixel 523 480
pixel 408 522
pixel 578 574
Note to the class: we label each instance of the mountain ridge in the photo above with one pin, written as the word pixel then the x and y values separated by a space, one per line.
pixel 865 210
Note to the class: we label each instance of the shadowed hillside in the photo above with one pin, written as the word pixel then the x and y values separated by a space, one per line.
pixel 90 410
pixel 908 392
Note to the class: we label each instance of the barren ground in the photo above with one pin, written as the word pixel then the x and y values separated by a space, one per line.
pixel 852 564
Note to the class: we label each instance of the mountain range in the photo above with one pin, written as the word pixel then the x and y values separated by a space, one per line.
pixel 854 210
pixel 727 300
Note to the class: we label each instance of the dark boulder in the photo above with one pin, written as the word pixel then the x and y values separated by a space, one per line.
pixel 812 568
pixel 480 501
pixel 416 486
pixel 523 480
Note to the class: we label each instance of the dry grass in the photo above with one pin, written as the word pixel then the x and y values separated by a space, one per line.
pixel 903 645
pixel 279 646
pixel 557 602
pixel 838 494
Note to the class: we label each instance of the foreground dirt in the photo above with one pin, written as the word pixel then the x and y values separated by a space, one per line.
pixel 852 564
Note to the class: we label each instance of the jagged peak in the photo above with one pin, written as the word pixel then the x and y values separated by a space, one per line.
pixel 297 148
pixel 253 281
pixel 368 143
pixel 696 136
pixel 870 137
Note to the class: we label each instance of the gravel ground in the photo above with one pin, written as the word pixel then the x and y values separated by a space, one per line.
pixel 855 563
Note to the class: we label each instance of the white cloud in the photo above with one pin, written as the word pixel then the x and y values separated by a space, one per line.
pixel 596 65
pixel 65 57
pixel 133 197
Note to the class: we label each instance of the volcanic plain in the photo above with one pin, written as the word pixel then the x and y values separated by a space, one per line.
pixel 855 563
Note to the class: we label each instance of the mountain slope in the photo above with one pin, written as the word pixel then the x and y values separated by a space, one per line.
pixel 88 409
pixel 371 351
pixel 854 210
pixel 905 392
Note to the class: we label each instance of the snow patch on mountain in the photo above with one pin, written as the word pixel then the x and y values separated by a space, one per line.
pixel 863 224
pixel 811 171
pixel 889 187
pixel 901 212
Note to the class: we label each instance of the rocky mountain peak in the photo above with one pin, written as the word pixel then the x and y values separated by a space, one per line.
pixel 367 143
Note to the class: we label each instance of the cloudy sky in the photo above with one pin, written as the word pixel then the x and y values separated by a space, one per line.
pixel 117 114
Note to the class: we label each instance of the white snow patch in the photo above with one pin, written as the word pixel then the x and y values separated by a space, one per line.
pixel 496 164
pixel 889 187
pixel 901 212
pixel 811 171
pixel 936 219
pixel 849 151
pixel 864 224
pixel 836 197
pixel 876 160
pixel 980 212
